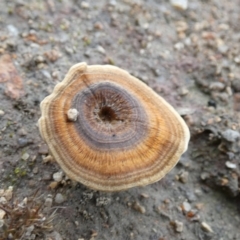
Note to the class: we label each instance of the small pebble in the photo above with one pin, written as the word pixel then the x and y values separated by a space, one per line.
pixel 53 185
pixel 84 5
pixel 229 91
pixel 206 227
pixel 186 207
pixel 25 156
pixel 223 49
pixel 100 49
pixel 8 193
pixel 58 176
pixel 178 226
pixel 138 207
pixel 46 176
pixel 230 165
pixel 183 177
pixel 230 135
pixel 144 195
pixel 43 149
pixel 237 59
pixel 59 198
pixel 3 200
pixel 40 59
pixel 1 112
pixel 35 170
pixel 48 158
pixel 217 86
pixel 12 30
pixel 22 132
pixel 32 183
pixel 183 91
pixel 2 214
pixel 23 142
pixel 72 114
pixel 180 4
pixel 179 46
pixel 204 175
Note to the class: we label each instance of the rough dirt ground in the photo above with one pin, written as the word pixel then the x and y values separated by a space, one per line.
pixel 190 57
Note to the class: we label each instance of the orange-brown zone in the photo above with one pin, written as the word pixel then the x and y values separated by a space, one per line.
pixel 146 160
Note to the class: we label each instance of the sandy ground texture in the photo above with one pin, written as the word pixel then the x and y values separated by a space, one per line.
pixel 191 57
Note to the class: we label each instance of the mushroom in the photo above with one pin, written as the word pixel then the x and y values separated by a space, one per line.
pixel 122 133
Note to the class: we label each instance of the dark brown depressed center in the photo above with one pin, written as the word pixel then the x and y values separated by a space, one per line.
pixel 125 135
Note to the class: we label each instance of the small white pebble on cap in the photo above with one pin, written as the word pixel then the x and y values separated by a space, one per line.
pixel 72 114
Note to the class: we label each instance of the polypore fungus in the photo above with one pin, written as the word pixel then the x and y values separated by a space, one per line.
pixel 110 131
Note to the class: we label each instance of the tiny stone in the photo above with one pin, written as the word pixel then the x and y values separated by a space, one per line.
pixel 25 156
pixel 22 142
pixel 3 200
pixel 184 177
pixel 179 46
pixel 237 59
pixel 184 111
pixel 12 30
pixel 2 214
pixel 1 112
pixel 46 74
pixel 138 207
pixel 32 183
pixel 178 226
pixel 217 86
pixel 22 132
pixel 100 49
pixel 191 196
pixel 84 5
pixel 230 165
pixel 47 159
pixel 55 74
pixel 98 26
pixel 35 170
pixel 204 175
pixel 206 227
pixel 183 91
pixel 40 59
pixel 180 4
pixel 223 49
pixel 186 207
pixel 59 198
pixel 43 149
pixel 69 50
pixel 72 114
pixel 230 135
pixel 53 185
pixel 144 195
pixel 8 193
pixel 229 91
pixel 58 176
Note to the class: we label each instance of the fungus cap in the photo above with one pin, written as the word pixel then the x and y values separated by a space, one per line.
pixel 122 134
